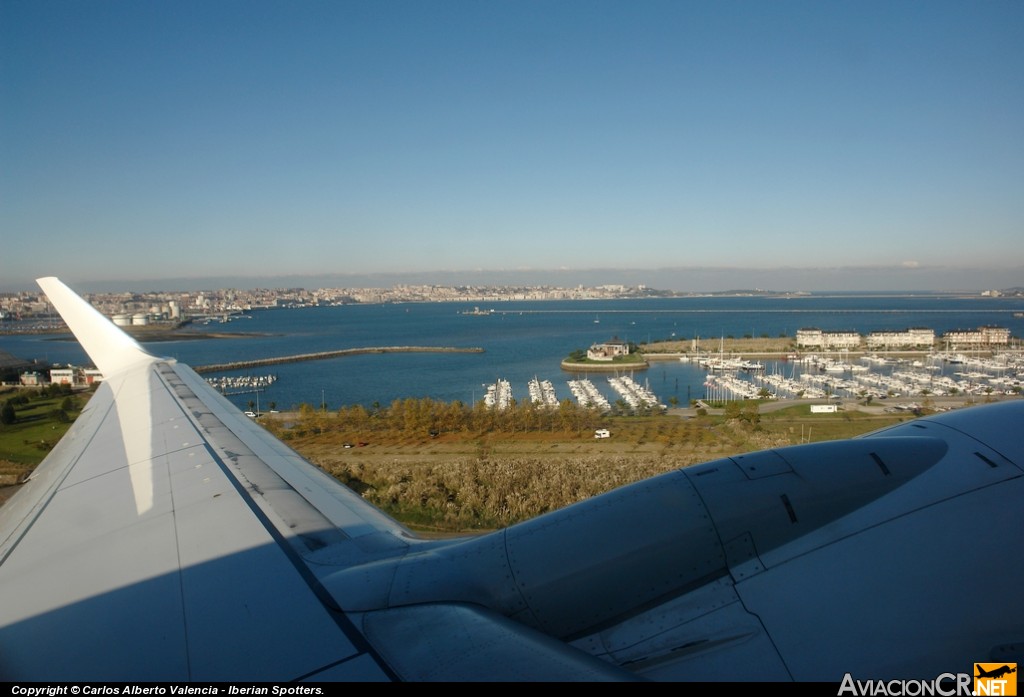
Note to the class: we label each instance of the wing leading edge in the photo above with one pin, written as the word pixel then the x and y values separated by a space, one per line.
pixel 168 537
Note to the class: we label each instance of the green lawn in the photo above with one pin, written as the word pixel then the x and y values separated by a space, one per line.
pixel 798 421
pixel 26 442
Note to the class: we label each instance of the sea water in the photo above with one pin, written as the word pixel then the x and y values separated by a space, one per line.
pixel 520 340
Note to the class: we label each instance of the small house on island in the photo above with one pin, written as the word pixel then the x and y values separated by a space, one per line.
pixel 608 351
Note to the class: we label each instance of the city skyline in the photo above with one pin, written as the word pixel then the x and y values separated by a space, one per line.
pixel 682 145
pixel 672 280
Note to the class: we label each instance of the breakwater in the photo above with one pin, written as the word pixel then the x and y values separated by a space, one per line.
pixel 322 355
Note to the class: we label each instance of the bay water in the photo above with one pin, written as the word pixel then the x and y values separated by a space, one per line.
pixel 520 340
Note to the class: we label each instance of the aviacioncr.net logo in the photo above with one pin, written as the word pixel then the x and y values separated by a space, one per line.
pixel 945 685
pixel 995 679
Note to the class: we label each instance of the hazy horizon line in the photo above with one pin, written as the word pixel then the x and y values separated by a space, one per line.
pixel 681 279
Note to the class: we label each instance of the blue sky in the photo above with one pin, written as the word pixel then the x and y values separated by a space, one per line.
pixel 864 143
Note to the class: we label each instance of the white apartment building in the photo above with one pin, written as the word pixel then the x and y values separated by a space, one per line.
pixel 915 337
pixel 981 337
pixel 816 338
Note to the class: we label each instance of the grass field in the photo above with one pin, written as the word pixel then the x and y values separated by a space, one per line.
pixel 467 481
pixel 731 345
pixel 26 442
pixel 462 480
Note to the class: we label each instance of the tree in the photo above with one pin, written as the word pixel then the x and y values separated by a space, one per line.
pixel 7 415
pixel 751 414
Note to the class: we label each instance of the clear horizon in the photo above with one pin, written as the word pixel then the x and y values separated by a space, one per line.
pixel 685 145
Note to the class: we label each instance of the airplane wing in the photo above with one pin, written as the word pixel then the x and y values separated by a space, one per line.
pixel 168 537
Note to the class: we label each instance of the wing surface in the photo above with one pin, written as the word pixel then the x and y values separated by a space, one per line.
pixel 139 550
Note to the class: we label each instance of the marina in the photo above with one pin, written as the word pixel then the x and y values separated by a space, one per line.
pixel 811 376
pixel 498 395
pixel 542 392
pixel 587 395
pixel 635 395
pixel 815 377
pixel 229 385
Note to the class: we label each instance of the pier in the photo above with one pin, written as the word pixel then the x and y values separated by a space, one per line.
pixel 322 355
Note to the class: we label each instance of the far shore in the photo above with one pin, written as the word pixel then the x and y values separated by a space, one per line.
pixel 175 335
pixel 762 347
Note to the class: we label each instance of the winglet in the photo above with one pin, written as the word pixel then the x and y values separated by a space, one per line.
pixel 109 348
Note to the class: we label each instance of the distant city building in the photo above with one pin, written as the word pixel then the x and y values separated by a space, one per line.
pixel 63 376
pixel 816 338
pixel 32 379
pixel 915 337
pixel 175 306
pixel 74 376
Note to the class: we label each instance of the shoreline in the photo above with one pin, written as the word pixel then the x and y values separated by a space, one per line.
pixel 784 356
pixel 164 336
